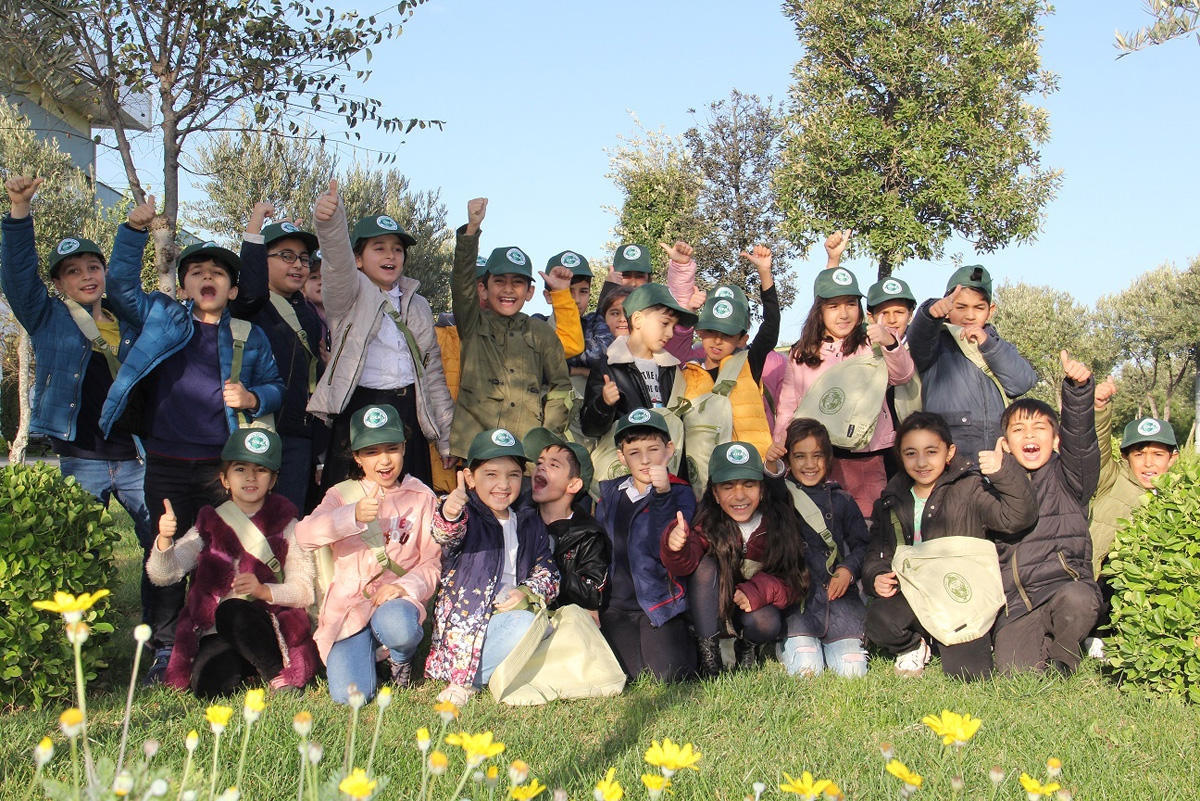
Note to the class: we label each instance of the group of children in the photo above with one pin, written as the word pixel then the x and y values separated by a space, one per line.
pixel 280 458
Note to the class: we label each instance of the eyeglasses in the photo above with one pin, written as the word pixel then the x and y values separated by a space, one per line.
pixel 290 256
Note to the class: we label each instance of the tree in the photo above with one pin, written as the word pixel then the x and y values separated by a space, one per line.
pixel 736 152
pixel 909 122
pixel 1172 19
pixel 279 61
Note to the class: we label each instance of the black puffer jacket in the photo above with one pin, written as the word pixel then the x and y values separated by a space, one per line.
pixel 582 553
pixel 963 503
pixel 597 417
pixel 1035 562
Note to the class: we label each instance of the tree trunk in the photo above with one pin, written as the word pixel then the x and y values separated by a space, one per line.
pixel 166 251
pixel 16 448
pixel 885 266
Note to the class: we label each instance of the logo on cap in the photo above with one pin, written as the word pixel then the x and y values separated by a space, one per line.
pixel 288 227
pixel 386 223
pixel 1149 427
pixel 737 455
pixel 375 417
pixel 722 309
pixel 257 442
pixel 68 246
pixel 515 256
pixel 210 244
pixel 723 292
pixel 842 277
pixel 639 416
pixel 570 259
pixel 892 287
pixel 503 438
pixel 632 252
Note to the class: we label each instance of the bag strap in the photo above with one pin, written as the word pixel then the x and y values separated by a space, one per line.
pixel 250 536
pixel 87 326
pixel 352 491
pixel 972 352
pixel 731 369
pixel 288 313
pixel 897 529
pixel 240 329
pixel 815 519
pixel 410 340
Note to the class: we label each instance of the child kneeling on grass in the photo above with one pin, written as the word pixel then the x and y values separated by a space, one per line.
pixel 246 614
pixel 496 559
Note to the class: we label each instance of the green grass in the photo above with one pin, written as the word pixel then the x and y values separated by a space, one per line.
pixel 749 727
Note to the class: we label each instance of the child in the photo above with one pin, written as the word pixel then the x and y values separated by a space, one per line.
pixel 834 332
pixel 826 632
pixel 385 351
pixel 562 473
pixel 643 619
pixel 968 373
pixel 1052 600
pixel 204 375
pixel 246 615
pixel 496 561
pixel 632 263
pixel 385 563
pixel 890 303
pixel 514 372
pixel 744 556
pixel 568 291
pixel 939 494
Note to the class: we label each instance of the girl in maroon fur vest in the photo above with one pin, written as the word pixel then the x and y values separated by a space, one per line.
pixel 246 614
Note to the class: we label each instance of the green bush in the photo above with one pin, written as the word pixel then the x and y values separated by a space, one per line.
pixel 54 536
pixel 1154 570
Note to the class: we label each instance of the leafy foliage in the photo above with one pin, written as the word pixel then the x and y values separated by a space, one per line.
pixel 54 535
pixel 1155 644
pixel 909 122
pixel 1172 19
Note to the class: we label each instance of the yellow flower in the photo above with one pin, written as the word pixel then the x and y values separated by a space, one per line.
pixel 438 762
pixel 670 758
pixel 123 784
pixel 953 728
pixel 384 699
pixel 527 791
pixel 656 784
pixel 43 752
pixel 218 717
pixel 303 723
pixel 71 722
pixel 1034 788
pixel 423 739
pixel 192 740
pixel 608 788
pixel 1053 767
pixel 357 785
pixel 901 772
pixel 806 787
pixel 71 606
pixel 446 710
pixel 477 747
pixel 833 791
pixel 518 771
pixel 254 704
pixel 492 775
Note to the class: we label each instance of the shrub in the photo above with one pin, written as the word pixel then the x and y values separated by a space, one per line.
pixel 1154 571
pixel 54 535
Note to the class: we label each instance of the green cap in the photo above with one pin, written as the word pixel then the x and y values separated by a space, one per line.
pixel 631 258
pixel 211 250
pixel 72 246
pixel 724 315
pixel 973 276
pixel 509 260
pixel 538 439
pixel 259 446
pixel 889 289
pixel 480 267
pixel 836 283
pixel 1149 429
pixel 493 444
pixel 577 264
pixel 731 292
pixel 375 425
pixel 652 294
pixel 733 461
pixel 641 418
pixel 314 261
pixel 379 225
pixel 287 230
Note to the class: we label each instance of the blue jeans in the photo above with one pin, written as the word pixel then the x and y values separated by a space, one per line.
pixel 395 624
pixel 504 631
pixel 809 656
pixel 123 480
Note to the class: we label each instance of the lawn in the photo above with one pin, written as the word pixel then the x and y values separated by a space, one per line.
pixel 749 727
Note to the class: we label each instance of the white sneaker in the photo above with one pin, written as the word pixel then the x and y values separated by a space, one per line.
pixel 457 694
pixel 912 663
pixel 1094 647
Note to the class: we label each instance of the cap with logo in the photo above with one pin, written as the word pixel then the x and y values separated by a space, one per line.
pixel 577 264
pixel 631 258
pixel 379 225
pixel 973 276
pixel 652 294
pixel 733 461
pixel 538 439
pixel 1149 429
pixel 836 283
pixel 641 418
pixel 211 250
pixel 286 230
pixel 375 425
pixel 724 315
pixel 480 267
pixel 495 443
pixel 510 260
pixel 72 246
pixel 731 292
pixel 259 446
pixel 889 289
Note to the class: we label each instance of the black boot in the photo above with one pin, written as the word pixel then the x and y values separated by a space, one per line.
pixel 746 653
pixel 710 656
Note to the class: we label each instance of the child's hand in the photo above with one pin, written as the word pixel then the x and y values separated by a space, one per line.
pixel 613 276
pixel 476 211
pixel 835 246
pixel 258 215
pixel 697 299
pixel 660 479
pixel 388 592
pixel 886 584
pixel 878 335
pixel 760 257
pixel 142 214
pixel 20 193
pixel 776 452
pixel 680 253
pixel 1104 392
pixel 453 505
pixel 559 277
pixel 238 397
pixel 248 584
pixel 327 203
pixel 942 307
pixel 839 583
pixel 974 333
pixel 741 601
pixel 1077 371
pixel 168 523
pixel 513 599
pixel 611 395
pixel 367 508
pixel 679 533
pixel 990 461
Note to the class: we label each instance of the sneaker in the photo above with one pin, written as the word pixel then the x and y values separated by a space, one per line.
pixel 158 668
pixel 402 674
pixel 912 663
pixel 457 694
pixel 1094 646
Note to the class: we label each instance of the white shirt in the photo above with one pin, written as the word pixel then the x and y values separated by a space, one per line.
pixel 508 571
pixel 750 526
pixel 388 364
pixel 649 370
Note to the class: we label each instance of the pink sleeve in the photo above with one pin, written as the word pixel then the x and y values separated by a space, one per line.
pixel 788 400
pixel 331 521
pixel 899 362
pixel 681 281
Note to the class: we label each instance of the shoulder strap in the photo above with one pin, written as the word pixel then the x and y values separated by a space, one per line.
pixel 240 329
pixel 897 529
pixel 87 326
pixel 250 536
pixel 971 351
pixel 414 351
pixel 815 519
pixel 286 311
pixel 727 376
pixel 352 491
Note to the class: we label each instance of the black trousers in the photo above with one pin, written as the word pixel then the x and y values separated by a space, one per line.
pixel 244 648
pixel 703 593
pixel 339 458
pixel 1052 632
pixel 893 627
pixel 667 651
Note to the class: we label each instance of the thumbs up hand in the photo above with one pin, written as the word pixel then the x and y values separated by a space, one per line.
pixel 167 525
pixel 453 505
pixel 1075 370
pixel 611 395
pixel 990 461
pixel 367 509
pixel 327 203
pixel 679 533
